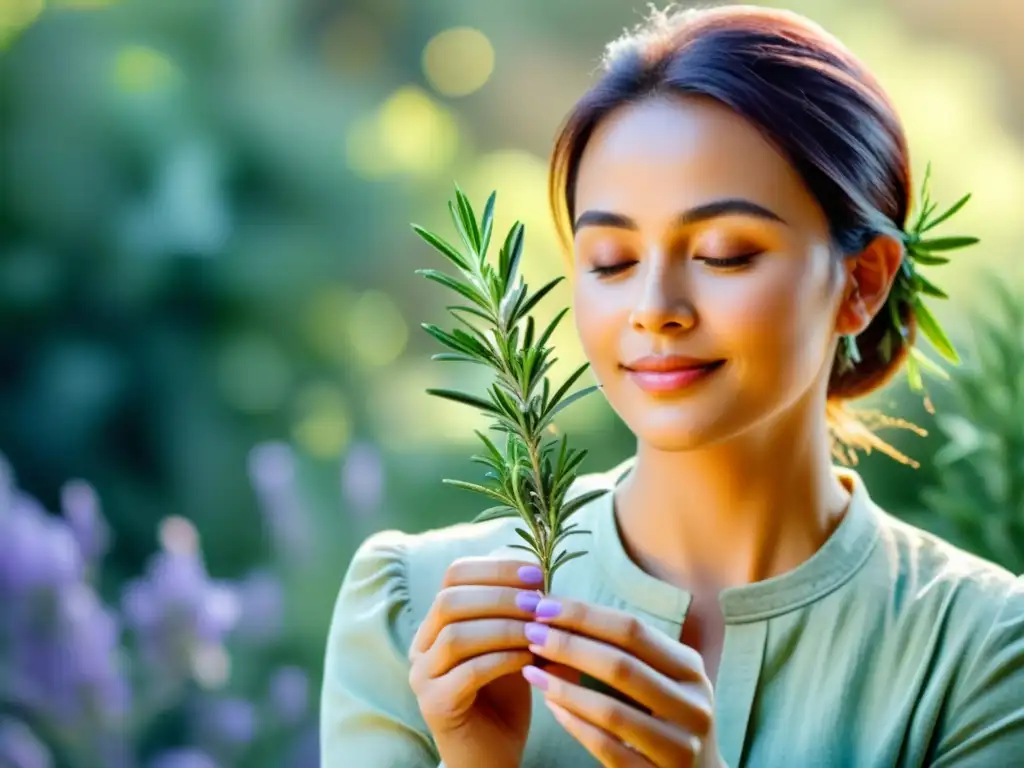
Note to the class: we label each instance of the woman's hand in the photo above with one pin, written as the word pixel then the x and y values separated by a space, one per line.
pixel 466 661
pixel 662 675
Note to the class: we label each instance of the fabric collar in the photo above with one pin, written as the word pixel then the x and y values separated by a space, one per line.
pixel 835 562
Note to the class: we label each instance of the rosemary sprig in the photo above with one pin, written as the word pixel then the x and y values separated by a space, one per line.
pixel 529 474
pixel 910 287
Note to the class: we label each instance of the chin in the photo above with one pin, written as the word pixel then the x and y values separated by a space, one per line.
pixel 677 434
pixel 682 426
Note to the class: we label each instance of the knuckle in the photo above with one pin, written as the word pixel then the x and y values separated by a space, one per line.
pixel 703 717
pixel 453 574
pixel 417 678
pixel 475 671
pixel 622 670
pixel 560 643
pixel 699 665
pixel 448 640
pixel 512 633
pixel 634 632
pixel 692 663
pixel 692 748
pixel 695 661
pixel 611 717
pixel 445 602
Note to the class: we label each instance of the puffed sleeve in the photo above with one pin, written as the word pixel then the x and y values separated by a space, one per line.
pixel 369 716
pixel 987 717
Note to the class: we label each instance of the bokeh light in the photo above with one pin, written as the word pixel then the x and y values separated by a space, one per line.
pixel 458 61
pixel 323 424
pixel 325 316
pixel 139 69
pixel 15 15
pixel 377 333
pixel 409 134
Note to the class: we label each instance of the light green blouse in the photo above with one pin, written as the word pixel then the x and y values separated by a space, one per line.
pixel 888 647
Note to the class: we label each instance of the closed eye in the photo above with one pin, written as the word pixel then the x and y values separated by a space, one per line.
pixel 612 269
pixel 732 262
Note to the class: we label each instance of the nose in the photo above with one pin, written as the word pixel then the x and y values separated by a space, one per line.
pixel 662 306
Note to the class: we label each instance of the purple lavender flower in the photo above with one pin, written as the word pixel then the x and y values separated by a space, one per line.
pixel 20 748
pixel 362 478
pixel 262 601
pixel 40 551
pixel 81 507
pixel 184 758
pixel 65 661
pixel 227 723
pixel 305 751
pixel 288 694
pixel 91 636
pixel 272 474
pixel 175 608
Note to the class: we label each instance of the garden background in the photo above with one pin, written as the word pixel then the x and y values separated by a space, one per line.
pixel 211 368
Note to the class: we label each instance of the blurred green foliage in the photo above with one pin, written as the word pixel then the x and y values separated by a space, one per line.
pixel 204 246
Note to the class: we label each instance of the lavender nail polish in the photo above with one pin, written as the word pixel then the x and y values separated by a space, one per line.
pixel 536 633
pixel 527 601
pixel 548 608
pixel 535 677
pixel 531 574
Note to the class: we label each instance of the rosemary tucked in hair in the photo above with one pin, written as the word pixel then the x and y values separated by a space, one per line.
pixel 529 473
pixel 909 288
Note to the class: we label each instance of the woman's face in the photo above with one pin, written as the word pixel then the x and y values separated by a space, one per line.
pixel 705 291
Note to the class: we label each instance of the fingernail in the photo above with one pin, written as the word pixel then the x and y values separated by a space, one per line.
pixel 536 633
pixel 548 608
pixel 527 601
pixel 535 677
pixel 531 574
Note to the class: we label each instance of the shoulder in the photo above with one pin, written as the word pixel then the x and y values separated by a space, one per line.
pixel 409 568
pixel 971 609
pixel 923 565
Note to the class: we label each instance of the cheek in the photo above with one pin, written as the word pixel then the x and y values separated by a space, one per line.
pixel 599 325
pixel 778 322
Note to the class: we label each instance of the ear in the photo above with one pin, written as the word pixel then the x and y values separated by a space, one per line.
pixel 869 277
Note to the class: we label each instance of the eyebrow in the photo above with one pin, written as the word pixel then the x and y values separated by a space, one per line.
pixel 712 210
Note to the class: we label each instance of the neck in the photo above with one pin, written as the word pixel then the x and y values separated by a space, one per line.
pixel 737 512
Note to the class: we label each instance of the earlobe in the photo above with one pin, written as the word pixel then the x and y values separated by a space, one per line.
pixel 870 276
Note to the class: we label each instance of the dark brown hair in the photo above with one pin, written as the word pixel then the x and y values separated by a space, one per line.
pixel 807 94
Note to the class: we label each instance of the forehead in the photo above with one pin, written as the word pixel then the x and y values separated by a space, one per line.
pixel 665 154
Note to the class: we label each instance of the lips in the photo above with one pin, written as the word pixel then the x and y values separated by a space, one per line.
pixel 670 373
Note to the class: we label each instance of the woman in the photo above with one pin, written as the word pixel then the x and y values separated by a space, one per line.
pixel 736 190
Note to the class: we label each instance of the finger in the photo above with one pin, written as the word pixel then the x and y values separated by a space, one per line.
pixel 611 752
pixel 492 572
pixel 472 675
pixel 484 572
pixel 664 744
pixel 463 640
pixel 465 602
pixel 684 703
pixel 665 654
